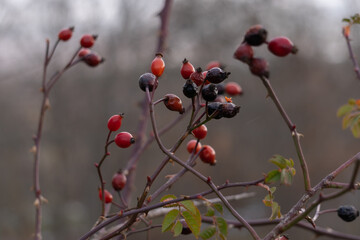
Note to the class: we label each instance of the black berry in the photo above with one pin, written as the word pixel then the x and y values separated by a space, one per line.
pixel 255 36
pixel 348 213
pixel 147 80
pixel 209 92
pixel 212 108
pixel 216 75
pixel 221 88
pixel 228 110
pixel 190 89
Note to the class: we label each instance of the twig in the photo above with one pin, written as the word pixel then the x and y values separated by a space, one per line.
pixel 351 53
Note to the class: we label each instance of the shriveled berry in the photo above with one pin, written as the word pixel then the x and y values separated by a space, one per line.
pixel 259 67
pixel 114 122
pixel 197 77
pixel 66 34
pixel 186 69
pixel 221 88
pixel 124 139
pixel 207 155
pixel 108 197
pixel 209 92
pixel 118 181
pixel 233 89
pixel 191 146
pixel 185 230
pixel 93 59
pixel 213 64
pixel 147 80
pixel 190 89
pixel 348 213
pixel 244 53
pixel 228 110
pixel 158 65
pixel 256 35
pixel 214 107
pixel 87 40
pixel 200 132
pixel 281 46
pixel 173 103
pixel 83 52
pixel 216 75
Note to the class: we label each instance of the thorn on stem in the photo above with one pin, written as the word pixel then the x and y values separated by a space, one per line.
pixel 208 179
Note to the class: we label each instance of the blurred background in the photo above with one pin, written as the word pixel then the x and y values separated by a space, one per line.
pixel 312 85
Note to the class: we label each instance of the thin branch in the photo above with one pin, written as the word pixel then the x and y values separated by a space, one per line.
pixel 351 52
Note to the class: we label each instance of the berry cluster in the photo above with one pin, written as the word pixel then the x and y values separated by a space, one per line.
pixel 256 36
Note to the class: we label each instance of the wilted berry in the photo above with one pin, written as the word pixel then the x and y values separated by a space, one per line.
pixel 255 36
pixel 197 77
pixel 209 92
pixel 190 89
pixel 173 103
pixel 216 75
pixel 244 53
pixel 281 46
pixel 212 108
pixel 259 67
pixel 348 213
pixel 228 109
pixel 221 88
pixel 147 80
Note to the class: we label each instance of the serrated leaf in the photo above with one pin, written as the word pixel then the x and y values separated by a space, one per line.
pixel 169 219
pixel 272 176
pixel 275 211
pixel 222 224
pixel 177 229
pixel 218 207
pixel 193 221
pixel 208 233
pixel 279 161
pixel 190 206
pixel 286 177
pixel 344 109
pixel 210 212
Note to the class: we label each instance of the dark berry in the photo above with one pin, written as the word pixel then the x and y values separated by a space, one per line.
pixel 87 40
pixel 216 75
pixel 147 80
pixel 191 145
pixel 221 88
pixel 209 92
pixel 185 230
pixel 259 67
pixel 200 132
pixel 173 103
pixel 255 36
pixel 93 59
pixel 186 69
pixel 281 46
pixel 124 139
pixel 233 89
pixel 212 108
pixel 119 181
pixel 158 65
pixel 348 213
pixel 197 77
pixel 114 122
pixel 207 155
pixel 66 34
pixel 190 89
pixel 244 53
pixel 228 110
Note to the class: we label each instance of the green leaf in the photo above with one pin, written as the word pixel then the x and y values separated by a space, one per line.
pixel 177 228
pixel 169 219
pixel 190 206
pixel 218 207
pixel 222 224
pixel 272 190
pixel 168 197
pixel 275 211
pixel 344 109
pixel 210 212
pixel 272 176
pixel 193 221
pixel 346 20
pixel 268 200
pixel 208 233
pixel 279 161
pixel 355 128
pixel 352 101
pixel 286 177
pixel 222 237
pixel 346 122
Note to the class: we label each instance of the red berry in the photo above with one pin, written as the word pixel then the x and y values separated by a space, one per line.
pixel 173 103
pixel 191 145
pixel 281 46
pixel 233 89
pixel 244 53
pixel 207 155
pixel 83 52
pixel 119 181
pixel 114 122
pixel 158 65
pixel 124 139
pixel 93 59
pixel 108 196
pixel 197 77
pixel 255 36
pixel 187 69
pixel 213 64
pixel 87 40
pixel 200 132
pixel 259 67
pixel 66 34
